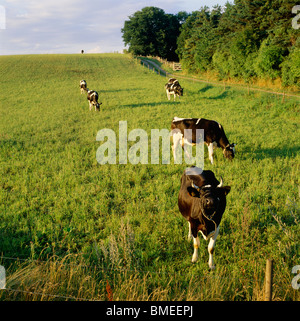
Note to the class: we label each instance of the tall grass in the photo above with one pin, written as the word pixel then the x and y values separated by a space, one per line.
pixel 85 230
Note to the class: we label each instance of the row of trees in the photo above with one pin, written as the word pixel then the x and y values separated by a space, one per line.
pixel 246 39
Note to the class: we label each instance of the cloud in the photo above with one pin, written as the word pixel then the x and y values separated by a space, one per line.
pixel 67 26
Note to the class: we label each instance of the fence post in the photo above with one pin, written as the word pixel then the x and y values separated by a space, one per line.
pixel 269 280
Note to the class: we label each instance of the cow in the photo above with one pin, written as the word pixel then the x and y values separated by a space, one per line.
pixel 92 97
pixel 173 87
pixel 202 202
pixel 214 136
pixel 83 86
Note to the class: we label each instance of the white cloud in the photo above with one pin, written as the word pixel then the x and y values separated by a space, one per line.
pixel 67 26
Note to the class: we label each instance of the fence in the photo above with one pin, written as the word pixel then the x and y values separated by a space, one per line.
pixel 268 280
pixel 156 68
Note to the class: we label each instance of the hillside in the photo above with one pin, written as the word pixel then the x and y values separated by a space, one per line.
pixel 120 224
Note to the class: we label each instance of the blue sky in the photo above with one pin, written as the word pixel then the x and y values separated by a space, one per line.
pixel 67 26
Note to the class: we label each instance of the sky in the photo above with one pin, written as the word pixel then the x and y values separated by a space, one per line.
pixel 68 26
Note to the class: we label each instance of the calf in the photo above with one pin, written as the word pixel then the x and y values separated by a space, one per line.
pixel 173 88
pixel 83 86
pixel 214 135
pixel 202 202
pixel 92 97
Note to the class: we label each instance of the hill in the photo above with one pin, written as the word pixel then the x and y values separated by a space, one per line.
pixel 84 230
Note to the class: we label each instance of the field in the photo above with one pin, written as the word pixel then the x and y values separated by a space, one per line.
pixel 73 229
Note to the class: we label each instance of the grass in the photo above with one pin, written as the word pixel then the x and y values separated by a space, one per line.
pixel 82 230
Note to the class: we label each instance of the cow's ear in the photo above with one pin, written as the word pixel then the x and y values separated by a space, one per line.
pixel 193 192
pixel 224 189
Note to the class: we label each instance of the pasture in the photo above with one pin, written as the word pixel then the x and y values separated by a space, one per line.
pixel 81 230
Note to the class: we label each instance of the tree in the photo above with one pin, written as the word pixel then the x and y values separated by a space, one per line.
pixel 152 32
pixel 198 39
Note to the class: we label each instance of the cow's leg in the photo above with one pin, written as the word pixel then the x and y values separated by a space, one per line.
pixel 196 246
pixel 211 152
pixel 211 246
pixel 168 94
pixel 190 236
pixel 183 141
pixel 177 137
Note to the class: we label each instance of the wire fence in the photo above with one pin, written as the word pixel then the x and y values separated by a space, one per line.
pixel 112 268
pixel 43 294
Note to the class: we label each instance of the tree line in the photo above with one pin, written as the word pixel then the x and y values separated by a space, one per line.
pixel 245 39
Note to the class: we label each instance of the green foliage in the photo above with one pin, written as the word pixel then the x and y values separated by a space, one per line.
pixel 153 32
pixel 244 40
pixel 84 224
pixel 268 60
pixel 291 67
pixel 198 39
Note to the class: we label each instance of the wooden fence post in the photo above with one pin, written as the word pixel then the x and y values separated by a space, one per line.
pixel 269 280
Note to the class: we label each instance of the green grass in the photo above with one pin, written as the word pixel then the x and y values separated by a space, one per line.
pixel 60 209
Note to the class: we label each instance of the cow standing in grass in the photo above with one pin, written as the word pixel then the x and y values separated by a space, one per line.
pixel 214 135
pixel 83 86
pixel 202 202
pixel 92 97
pixel 173 87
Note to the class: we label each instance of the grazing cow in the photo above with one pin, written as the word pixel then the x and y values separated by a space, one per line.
pixel 202 202
pixel 214 135
pixel 92 97
pixel 173 88
pixel 83 86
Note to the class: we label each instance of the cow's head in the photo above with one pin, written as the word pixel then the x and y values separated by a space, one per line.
pixel 229 151
pixel 209 198
pixel 98 106
pixel 179 91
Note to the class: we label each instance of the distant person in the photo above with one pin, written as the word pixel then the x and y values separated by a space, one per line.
pixel 82 51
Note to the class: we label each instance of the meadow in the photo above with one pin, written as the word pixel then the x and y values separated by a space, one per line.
pixel 73 229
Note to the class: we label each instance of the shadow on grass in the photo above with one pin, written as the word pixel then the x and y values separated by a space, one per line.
pixel 154 104
pixel 119 90
pixel 222 95
pixel 205 89
pixel 284 151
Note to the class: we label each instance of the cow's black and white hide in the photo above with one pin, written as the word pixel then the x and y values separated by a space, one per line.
pixel 92 97
pixel 173 87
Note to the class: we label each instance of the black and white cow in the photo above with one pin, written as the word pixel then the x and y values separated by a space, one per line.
pixel 92 97
pixel 83 86
pixel 173 87
pixel 202 202
pixel 214 135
